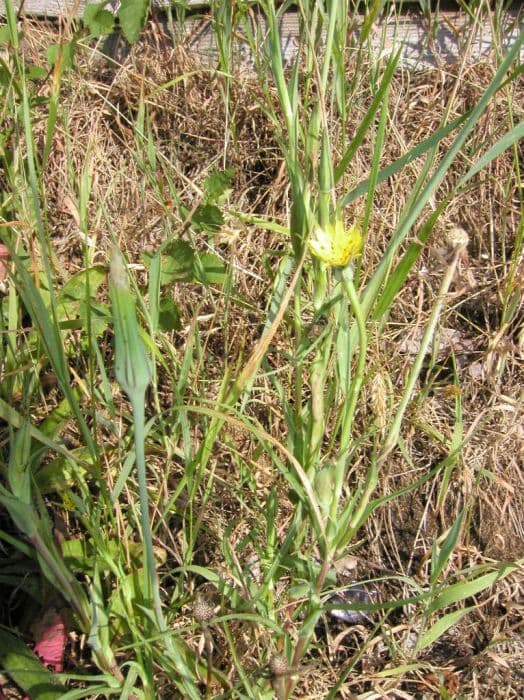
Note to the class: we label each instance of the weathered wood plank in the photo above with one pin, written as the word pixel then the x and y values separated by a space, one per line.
pixel 62 8
pixel 446 43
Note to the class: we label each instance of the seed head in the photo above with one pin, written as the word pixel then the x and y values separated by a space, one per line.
pixel 203 610
pixel 278 665
pixel 457 238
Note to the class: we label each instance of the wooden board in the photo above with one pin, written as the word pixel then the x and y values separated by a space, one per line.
pixel 423 45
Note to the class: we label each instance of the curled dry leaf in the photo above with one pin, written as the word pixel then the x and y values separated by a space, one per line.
pixel 51 639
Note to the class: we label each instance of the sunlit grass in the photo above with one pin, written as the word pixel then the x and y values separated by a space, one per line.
pixel 210 509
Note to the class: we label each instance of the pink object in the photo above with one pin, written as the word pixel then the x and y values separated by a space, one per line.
pixel 4 258
pixel 51 639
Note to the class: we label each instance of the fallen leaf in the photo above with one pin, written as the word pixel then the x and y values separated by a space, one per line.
pixel 50 639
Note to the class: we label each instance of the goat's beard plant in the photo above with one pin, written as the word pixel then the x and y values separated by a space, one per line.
pixel 305 101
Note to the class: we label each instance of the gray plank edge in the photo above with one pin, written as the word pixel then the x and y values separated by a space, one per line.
pixel 447 43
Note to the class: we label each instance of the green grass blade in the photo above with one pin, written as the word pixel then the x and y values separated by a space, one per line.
pixel 419 150
pixel 363 127
pixel 440 627
pixel 466 589
pixel 417 205
pixel 442 557
pixel 509 139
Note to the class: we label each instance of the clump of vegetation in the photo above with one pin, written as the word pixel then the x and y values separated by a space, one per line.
pixel 260 374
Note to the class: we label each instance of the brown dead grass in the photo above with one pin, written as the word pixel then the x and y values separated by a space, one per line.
pixel 483 656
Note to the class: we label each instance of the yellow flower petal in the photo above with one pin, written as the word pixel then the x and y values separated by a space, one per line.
pixel 334 245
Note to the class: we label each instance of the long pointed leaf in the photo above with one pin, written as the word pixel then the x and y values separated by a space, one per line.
pixel 417 205
pixel 442 625
pixel 367 120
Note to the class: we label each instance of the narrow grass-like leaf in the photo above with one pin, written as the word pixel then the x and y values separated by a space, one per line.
pixel 419 150
pixel 399 275
pixel 364 125
pixel 442 556
pixel 440 627
pixel 417 205
pixel 58 68
pixel 19 473
pixel 465 589
pixel 455 448
pixel 375 164
pixel 509 139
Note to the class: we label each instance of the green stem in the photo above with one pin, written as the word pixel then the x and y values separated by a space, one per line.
pixel 151 590
pixel 392 437
pixel 356 383
pixel 67 584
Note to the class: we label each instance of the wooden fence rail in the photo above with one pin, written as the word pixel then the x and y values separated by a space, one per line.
pixel 445 38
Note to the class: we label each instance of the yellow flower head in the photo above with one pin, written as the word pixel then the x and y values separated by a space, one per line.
pixel 335 245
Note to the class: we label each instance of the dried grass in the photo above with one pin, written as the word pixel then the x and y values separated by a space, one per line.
pixel 484 656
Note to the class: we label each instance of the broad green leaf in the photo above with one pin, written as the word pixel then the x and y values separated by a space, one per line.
pixel 217 185
pixel 83 284
pixel 63 52
pixel 58 417
pixel 98 20
pixel 442 625
pixel 76 303
pixel 62 473
pixel 55 477
pixel 211 271
pixel 177 261
pixel 99 318
pixel 132 15
pixel 36 73
pixel 207 217
pixel 168 315
pixel 26 669
pixel 300 590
